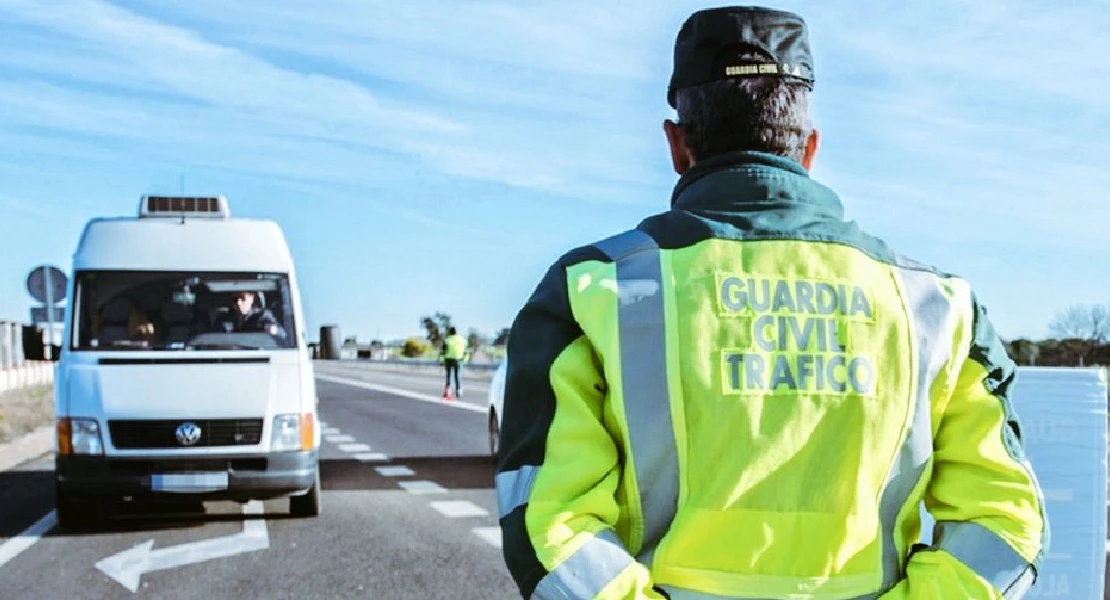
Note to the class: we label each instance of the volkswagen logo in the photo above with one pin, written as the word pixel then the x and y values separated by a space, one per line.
pixel 188 434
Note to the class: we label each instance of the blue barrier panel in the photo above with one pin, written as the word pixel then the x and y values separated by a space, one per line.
pixel 1063 414
pixel 1064 420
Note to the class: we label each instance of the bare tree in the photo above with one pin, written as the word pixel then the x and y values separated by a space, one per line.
pixel 436 327
pixel 1090 323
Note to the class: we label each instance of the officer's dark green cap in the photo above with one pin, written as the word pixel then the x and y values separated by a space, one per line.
pixel 710 43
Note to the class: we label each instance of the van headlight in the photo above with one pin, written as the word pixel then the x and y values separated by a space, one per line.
pixel 79 436
pixel 292 432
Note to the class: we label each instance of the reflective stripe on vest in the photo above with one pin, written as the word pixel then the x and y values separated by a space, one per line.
pixel 981 550
pixel 514 488
pixel 643 359
pixel 931 314
pixel 586 572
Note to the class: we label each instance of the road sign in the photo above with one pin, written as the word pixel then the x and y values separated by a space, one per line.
pixel 47 284
pixel 38 315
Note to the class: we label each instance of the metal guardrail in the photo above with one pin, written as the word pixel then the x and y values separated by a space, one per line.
pixel 416 363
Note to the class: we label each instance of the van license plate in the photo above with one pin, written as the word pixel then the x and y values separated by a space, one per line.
pixel 189 482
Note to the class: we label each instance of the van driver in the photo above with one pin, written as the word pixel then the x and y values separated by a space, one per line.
pixel 246 316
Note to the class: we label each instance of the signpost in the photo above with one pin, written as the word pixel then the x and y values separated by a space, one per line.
pixel 47 284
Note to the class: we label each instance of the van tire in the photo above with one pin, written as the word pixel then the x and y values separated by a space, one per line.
pixel 76 514
pixel 307 504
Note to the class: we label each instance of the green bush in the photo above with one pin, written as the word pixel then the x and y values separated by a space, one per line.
pixel 413 348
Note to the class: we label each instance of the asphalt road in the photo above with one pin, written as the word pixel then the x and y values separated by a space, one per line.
pixel 408 512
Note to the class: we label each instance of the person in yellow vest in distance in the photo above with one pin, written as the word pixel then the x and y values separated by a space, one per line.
pixel 453 352
pixel 747 396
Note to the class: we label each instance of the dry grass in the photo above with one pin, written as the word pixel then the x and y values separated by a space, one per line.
pixel 25 410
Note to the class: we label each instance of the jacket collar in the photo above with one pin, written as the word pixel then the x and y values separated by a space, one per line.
pixel 753 181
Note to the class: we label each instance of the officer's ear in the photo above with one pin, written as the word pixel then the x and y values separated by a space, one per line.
pixel 813 143
pixel 680 153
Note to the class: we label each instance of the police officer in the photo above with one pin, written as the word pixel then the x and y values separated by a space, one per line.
pixel 746 396
pixel 453 352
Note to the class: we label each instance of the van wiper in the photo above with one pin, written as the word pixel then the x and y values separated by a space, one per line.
pixel 214 346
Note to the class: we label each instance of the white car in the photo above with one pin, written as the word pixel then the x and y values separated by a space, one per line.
pixel 496 407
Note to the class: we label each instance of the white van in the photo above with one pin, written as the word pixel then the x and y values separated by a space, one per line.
pixel 185 370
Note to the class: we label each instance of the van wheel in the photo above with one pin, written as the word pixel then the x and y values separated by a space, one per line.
pixel 494 436
pixel 76 514
pixel 307 504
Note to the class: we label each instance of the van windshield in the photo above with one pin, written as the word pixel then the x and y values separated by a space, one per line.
pixel 131 310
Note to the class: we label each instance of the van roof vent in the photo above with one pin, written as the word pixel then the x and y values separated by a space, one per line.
pixel 204 207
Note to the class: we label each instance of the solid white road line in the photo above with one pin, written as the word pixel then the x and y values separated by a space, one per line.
pixel 397 471
pixel 371 457
pixel 491 535
pixel 457 509
pixel 354 448
pixel 422 487
pixel 13 547
pixel 403 393
pixel 339 439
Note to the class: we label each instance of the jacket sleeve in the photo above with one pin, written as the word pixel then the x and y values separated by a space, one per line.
pixel 991 532
pixel 558 466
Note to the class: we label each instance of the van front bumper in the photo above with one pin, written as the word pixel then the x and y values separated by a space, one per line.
pixel 249 477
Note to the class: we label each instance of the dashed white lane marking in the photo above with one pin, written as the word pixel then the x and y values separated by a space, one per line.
pixel 394 471
pixel 337 439
pixel 13 547
pixel 403 393
pixel 491 535
pixel 354 447
pixel 322 424
pixel 329 431
pixel 422 487
pixel 371 457
pixel 457 509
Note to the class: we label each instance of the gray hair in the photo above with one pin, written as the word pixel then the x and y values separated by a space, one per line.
pixel 763 114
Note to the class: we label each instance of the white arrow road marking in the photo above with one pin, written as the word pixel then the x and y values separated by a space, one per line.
pixel 128 567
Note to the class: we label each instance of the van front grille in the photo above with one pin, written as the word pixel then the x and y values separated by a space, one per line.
pixel 142 435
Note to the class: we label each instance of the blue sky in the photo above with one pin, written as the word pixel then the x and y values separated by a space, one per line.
pixel 439 155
